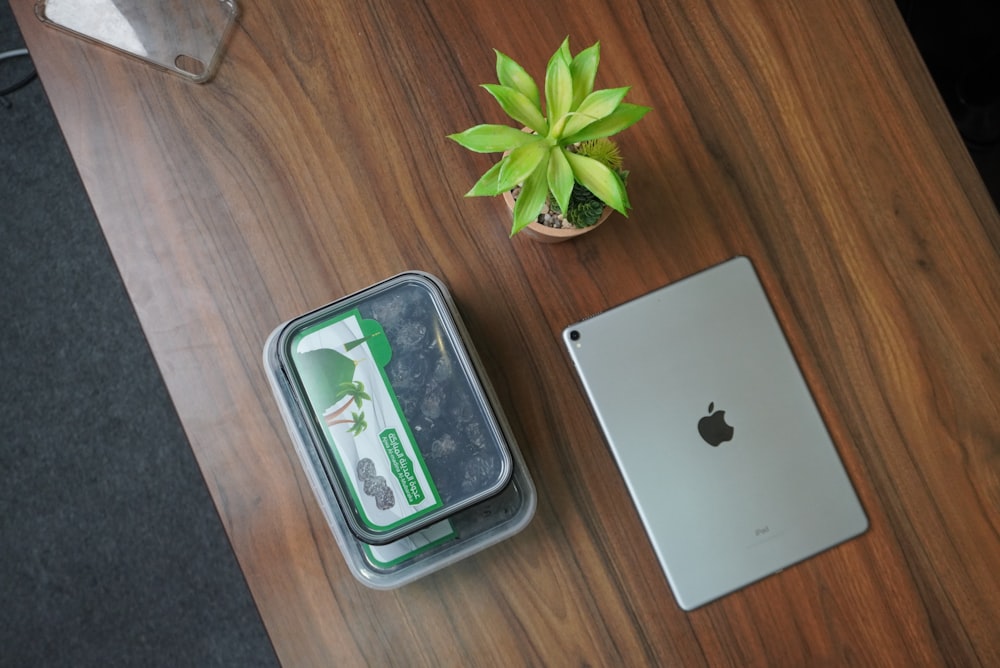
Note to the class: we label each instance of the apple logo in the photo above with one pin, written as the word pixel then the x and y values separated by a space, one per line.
pixel 713 427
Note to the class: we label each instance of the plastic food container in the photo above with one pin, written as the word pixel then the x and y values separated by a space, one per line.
pixel 398 430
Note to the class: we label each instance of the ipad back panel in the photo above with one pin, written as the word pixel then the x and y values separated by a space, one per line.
pixel 714 429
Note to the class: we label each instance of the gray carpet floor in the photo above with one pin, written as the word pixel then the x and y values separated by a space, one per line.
pixel 111 551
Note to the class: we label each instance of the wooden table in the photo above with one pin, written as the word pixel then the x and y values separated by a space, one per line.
pixel 806 135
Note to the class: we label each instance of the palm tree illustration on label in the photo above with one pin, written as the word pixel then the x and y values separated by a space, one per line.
pixel 328 378
pixel 357 422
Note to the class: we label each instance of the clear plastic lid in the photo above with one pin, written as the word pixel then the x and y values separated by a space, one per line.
pixel 385 387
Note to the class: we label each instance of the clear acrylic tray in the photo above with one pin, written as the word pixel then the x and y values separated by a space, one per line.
pixel 185 37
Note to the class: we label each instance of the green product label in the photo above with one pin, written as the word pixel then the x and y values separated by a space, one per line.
pixel 402 466
pixel 341 365
pixel 404 549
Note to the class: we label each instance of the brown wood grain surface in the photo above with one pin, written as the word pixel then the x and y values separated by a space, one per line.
pixel 807 136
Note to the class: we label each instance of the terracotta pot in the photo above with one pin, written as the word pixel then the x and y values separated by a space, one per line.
pixel 544 233
pixel 550 235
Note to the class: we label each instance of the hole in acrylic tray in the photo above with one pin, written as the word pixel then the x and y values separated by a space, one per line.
pixel 190 65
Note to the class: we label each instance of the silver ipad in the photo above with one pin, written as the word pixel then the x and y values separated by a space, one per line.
pixel 718 438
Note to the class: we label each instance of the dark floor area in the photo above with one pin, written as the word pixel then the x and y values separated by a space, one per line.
pixel 111 551
pixel 960 43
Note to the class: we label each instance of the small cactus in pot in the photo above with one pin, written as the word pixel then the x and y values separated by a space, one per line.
pixel 564 158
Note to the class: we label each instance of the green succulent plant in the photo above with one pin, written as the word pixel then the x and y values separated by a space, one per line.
pixel 544 160
pixel 584 208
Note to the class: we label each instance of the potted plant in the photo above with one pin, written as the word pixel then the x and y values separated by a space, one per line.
pixel 561 166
